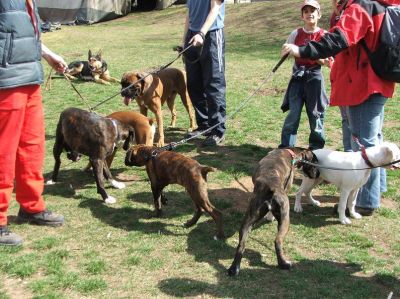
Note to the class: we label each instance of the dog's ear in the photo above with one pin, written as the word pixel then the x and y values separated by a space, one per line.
pixel 129 139
pixel 89 54
pixel 99 54
pixel 128 158
pixel 310 170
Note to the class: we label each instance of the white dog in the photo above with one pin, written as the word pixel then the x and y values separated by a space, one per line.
pixel 348 181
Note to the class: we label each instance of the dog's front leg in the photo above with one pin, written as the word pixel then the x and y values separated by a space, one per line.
pixel 257 209
pixel 160 124
pixel 97 79
pixel 280 209
pixel 157 191
pixel 307 185
pixel 97 166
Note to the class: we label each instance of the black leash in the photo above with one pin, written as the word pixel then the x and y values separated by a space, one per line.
pixel 338 168
pixel 76 90
pixel 141 79
pixel 172 145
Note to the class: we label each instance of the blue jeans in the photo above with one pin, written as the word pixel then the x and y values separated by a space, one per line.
pixel 289 130
pixel 366 122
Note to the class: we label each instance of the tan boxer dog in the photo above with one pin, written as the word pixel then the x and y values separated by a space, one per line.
pixel 152 91
pixel 142 125
pixel 272 180
pixel 166 167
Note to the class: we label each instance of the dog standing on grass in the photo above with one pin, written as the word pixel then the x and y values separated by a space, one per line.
pixel 151 91
pixel 272 181
pixel 94 69
pixel 167 167
pixel 348 181
pixel 80 132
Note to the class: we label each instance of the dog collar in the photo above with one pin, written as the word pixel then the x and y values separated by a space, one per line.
pixel 294 160
pixel 365 157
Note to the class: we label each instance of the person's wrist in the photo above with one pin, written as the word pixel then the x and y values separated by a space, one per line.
pixel 203 36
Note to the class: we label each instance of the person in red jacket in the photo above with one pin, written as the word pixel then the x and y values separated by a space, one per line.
pixel 353 81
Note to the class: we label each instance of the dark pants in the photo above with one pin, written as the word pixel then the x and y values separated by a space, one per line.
pixel 205 68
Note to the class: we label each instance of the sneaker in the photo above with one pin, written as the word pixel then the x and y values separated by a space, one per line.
pixel 197 132
pixel 45 217
pixel 213 140
pixel 8 238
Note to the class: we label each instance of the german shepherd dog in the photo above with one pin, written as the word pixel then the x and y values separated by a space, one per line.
pixel 94 69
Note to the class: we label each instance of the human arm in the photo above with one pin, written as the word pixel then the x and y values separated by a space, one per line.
pixel 54 60
pixel 198 39
pixel 354 24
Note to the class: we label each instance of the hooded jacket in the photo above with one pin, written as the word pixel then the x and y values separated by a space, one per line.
pixel 20 48
pixel 352 77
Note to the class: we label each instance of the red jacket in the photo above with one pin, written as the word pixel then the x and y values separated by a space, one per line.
pixel 352 77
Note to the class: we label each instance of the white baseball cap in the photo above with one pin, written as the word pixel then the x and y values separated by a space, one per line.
pixel 312 3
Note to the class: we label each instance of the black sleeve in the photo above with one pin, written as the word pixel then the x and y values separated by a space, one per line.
pixel 329 45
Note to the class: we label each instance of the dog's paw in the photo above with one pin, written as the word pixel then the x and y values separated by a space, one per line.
pixel 345 220
pixel 50 182
pixel 118 185
pixel 285 265
pixel 355 215
pixel 110 200
pixel 233 270
pixel 298 208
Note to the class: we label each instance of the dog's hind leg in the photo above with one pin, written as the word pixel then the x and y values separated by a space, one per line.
pixel 280 209
pixel 157 192
pixel 171 106
pixel 257 209
pixel 351 204
pixel 97 166
pixel 189 108
pixel 200 198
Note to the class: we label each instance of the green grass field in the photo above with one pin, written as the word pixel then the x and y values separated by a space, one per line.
pixel 121 251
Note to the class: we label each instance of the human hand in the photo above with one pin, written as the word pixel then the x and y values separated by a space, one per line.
pixel 197 40
pixel 290 49
pixel 54 60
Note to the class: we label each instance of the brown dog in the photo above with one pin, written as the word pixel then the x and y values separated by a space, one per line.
pixel 164 168
pixel 152 91
pixel 272 180
pixel 143 127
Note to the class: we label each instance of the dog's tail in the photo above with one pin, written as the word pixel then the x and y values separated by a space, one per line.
pixel 205 170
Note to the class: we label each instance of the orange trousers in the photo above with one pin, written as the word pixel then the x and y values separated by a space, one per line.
pixel 22 147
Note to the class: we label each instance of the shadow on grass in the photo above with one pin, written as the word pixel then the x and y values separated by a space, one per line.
pixel 307 279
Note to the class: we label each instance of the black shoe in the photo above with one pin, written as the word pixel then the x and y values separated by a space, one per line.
pixel 8 238
pixel 359 210
pixel 197 132
pixel 45 217
pixel 365 211
pixel 213 140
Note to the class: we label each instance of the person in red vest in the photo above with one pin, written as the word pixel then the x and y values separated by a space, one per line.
pixel 354 83
pixel 306 86
pixel 22 133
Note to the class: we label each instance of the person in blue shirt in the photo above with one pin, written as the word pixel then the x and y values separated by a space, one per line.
pixel 205 67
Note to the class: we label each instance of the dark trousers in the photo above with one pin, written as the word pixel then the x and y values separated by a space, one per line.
pixel 205 68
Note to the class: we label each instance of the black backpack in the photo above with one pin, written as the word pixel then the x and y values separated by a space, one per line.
pixel 385 60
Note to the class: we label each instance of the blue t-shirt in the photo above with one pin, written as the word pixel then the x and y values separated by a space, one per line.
pixel 198 12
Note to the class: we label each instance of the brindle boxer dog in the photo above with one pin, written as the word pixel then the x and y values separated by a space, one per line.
pixel 272 180
pixel 164 168
pixel 81 132
pixel 152 91
pixel 142 125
